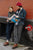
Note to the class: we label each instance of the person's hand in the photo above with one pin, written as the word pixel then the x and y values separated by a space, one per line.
pixel 16 20
pixel 17 16
pixel 7 20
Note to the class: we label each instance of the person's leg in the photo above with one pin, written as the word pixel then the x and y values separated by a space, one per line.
pixel 17 35
pixel 8 33
pixel 20 27
pixel 9 30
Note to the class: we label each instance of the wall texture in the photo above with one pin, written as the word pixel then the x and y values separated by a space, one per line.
pixel 27 5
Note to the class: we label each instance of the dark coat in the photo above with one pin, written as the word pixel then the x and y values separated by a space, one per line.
pixel 22 15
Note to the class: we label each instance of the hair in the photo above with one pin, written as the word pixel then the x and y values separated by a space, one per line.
pixel 10 7
pixel 20 6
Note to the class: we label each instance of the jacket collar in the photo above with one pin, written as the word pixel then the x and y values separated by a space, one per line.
pixel 21 9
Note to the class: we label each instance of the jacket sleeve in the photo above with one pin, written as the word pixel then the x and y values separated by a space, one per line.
pixel 24 15
pixel 8 14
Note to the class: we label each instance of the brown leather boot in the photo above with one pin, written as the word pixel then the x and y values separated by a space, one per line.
pixel 15 46
pixel 6 43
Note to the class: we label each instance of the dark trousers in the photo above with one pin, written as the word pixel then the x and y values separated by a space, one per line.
pixel 9 29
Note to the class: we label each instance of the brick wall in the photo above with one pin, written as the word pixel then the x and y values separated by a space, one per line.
pixel 27 5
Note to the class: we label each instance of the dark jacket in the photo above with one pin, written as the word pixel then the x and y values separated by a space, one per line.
pixel 10 13
pixel 22 15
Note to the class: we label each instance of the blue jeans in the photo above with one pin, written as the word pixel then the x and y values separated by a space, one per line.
pixel 9 29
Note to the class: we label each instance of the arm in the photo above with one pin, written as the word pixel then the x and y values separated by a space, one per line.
pixel 11 17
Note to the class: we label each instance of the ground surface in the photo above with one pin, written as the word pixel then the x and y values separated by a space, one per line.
pixel 10 46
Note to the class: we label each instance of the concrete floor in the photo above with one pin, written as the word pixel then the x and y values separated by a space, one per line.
pixel 10 46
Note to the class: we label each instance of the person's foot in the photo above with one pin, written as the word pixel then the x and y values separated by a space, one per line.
pixel 15 46
pixel 6 43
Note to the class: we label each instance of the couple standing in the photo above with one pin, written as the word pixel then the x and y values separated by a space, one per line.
pixel 17 28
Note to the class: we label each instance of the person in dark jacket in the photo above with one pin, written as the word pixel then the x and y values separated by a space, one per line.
pixel 9 26
pixel 18 27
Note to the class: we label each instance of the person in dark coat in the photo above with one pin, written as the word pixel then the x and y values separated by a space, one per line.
pixel 18 27
pixel 9 27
